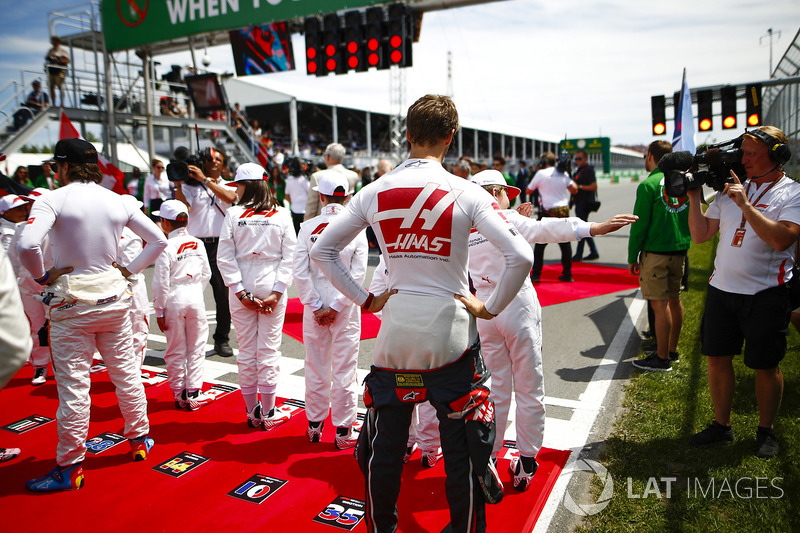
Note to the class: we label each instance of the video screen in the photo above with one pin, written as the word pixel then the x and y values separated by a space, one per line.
pixel 262 49
pixel 206 92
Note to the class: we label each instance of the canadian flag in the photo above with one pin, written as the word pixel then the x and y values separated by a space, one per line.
pixel 113 178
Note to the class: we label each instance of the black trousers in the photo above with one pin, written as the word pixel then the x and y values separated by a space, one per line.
pixel 466 444
pixel 582 212
pixel 223 330
pixel 566 258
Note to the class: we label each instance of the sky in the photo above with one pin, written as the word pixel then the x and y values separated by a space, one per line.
pixel 566 68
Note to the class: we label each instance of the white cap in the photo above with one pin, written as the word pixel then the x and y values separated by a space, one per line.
pixel 495 177
pixel 278 158
pixel 248 172
pixel 10 201
pixel 329 182
pixel 172 210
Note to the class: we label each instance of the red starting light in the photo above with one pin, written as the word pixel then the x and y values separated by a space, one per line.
pixel 330 50
pixel 311 53
pixel 352 47
pixel 373 60
pixel 395 41
pixel 372 44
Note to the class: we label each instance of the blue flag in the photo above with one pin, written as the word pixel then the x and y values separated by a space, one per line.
pixel 683 138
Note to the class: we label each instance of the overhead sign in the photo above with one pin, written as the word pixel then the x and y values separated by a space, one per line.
pixel 596 145
pixel 137 23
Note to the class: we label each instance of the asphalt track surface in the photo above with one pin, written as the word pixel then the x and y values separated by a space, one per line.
pixel 588 345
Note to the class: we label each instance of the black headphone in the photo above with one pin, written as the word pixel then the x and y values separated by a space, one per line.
pixel 778 151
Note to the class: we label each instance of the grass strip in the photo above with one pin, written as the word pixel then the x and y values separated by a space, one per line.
pixel 720 488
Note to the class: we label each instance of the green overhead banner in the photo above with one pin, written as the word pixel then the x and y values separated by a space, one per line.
pixel 136 23
pixel 596 145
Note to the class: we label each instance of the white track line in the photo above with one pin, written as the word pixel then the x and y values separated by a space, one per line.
pixel 592 402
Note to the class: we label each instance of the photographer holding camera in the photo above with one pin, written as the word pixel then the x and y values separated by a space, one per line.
pixel 208 199
pixel 748 302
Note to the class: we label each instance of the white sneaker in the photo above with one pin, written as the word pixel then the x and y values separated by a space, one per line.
pixel 273 419
pixel 254 416
pixel 409 452
pixel 180 399
pixel 39 376
pixel 346 438
pixel 314 431
pixel 197 399
pixel 523 469
pixel 429 459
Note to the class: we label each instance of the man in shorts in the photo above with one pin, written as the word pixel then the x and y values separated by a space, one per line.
pixel 656 252
pixel 748 302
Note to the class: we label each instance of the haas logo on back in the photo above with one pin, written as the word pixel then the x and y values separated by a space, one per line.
pixel 185 247
pixel 416 220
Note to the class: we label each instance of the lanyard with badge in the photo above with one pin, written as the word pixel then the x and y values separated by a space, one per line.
pixel 738 235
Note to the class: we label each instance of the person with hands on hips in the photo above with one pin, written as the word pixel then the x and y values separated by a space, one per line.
pixel 207 204
pixel 427 348
pixel 90 308
pixel 256 248
pixel 748 301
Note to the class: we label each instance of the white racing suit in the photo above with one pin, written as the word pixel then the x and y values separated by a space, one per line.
pixel 130 245
pixel 89 307
pixel 424 430
pixel 180 276
pixel 427 347
pixel 29 291
pixel 76 329
pixel 331 351
pixel 512 341
pixel 255 254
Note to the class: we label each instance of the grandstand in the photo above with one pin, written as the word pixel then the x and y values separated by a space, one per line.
pixel 295 120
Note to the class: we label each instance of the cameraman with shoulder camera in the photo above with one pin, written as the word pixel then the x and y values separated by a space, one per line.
pixel 208 199
pixel 747 301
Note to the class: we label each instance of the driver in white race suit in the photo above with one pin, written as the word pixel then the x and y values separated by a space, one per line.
pixel 89 297
pixel 427 347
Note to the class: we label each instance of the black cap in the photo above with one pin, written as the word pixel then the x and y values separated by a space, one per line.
pixel 75 151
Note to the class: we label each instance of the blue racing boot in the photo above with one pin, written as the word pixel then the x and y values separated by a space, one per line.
pixel 141 447
pixel 60 478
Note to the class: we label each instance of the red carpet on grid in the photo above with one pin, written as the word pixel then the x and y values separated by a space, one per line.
pixel 590 280
pixel 252 480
